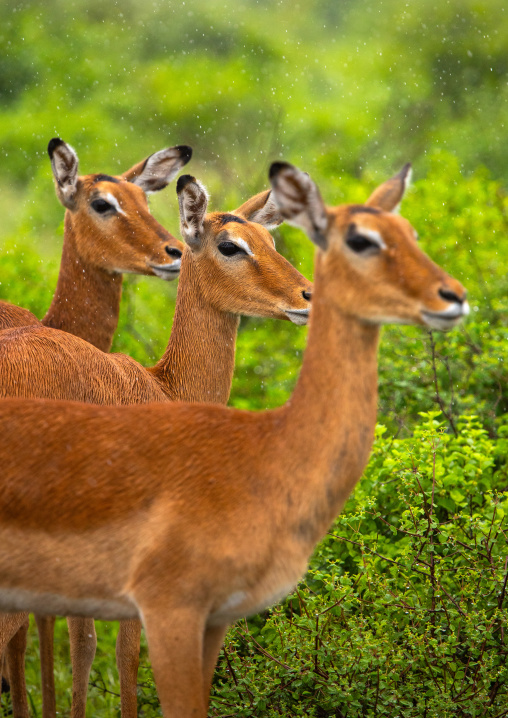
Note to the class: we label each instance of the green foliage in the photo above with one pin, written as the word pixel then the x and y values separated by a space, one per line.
pixel 349 85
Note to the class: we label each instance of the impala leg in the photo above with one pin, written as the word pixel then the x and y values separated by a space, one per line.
pixel 10 623
pixel 127 661
pixel 213 640
pixel 46 629
pixel 3 675
pixel 83 643
pixel 175 646
pixel 15 655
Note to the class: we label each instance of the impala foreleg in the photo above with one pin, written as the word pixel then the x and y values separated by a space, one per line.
pixel 83 643
pixel 46 629
pixel 13 632
pixel 175 647
pixel 127 661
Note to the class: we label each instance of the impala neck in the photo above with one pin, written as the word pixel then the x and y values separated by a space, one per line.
pixel 87 299
pixel 328 424
pixel 199 360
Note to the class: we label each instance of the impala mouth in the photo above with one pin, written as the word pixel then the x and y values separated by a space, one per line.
pixel 447 319
pixel 297 316
pixel 167 271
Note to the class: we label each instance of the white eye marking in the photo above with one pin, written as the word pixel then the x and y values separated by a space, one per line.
pixel 113 201
pixel 242 244
pixel 372 235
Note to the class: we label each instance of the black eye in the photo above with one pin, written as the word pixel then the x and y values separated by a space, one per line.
pixel 359 243
pixel 230 248
pixel 101 206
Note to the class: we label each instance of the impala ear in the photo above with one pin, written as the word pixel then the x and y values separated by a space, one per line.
pixel 262 209
pixel 64 163
pixel 193 201
pixel 388 195
pixel 156 172
pixel 299 201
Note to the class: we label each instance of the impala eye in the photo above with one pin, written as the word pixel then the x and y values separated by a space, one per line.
pixel 101 206
pixel 359 243
pixel 230 248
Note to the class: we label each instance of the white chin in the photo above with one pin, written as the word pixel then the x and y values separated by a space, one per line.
pixel 444 324
pixel 168 273
pixel 298 316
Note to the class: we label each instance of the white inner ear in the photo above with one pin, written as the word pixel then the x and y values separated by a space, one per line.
pixel 372 235
pixel 242 244
pixel 113 201
pixel 65 162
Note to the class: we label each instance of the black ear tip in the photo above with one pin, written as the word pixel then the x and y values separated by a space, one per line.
pixel 405 171
pixel 185 152
pixel 183 181
pixel 53 144
pixel 277 167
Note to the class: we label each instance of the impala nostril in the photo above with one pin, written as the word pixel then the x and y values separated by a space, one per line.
pixel 173 252
pixel 450 296
pixel 307 295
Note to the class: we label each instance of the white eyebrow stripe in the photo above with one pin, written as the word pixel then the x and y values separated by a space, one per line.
pixel 372 235
pixel 242 244
pixel 113 200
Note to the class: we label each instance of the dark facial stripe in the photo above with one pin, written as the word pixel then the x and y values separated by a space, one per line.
pixel 105 178
pixel 226 218
pixel 364 209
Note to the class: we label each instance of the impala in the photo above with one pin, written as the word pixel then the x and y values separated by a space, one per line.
pixel 192 516
pixel 229 267
pixel 108 231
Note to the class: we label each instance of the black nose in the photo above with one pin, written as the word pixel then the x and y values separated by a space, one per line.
pixel 173 252
pixel 450 296
pixel 307 295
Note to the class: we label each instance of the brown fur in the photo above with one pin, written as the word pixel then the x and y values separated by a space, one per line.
pixel 14 316
pixel 192 516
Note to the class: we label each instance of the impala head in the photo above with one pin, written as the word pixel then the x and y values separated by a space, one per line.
pixel 238 267
pixel 374 267
pixel 109 218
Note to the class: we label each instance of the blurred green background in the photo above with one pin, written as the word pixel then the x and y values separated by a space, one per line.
pixel 348 91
